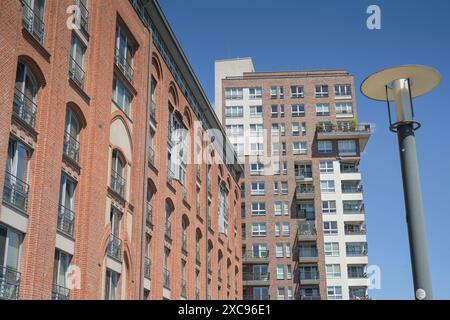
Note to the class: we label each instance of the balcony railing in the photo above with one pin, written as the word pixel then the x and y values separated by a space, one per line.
pixel 170 176
pixel 168 231
pixel 151 156
pixel 256 276
pixel 114 249
pixel 331 128
pixel 357 274
pixel 15 192
pixel 84 16
pixel 350 168
pixel 147 268
pixel 76 73
pixel 24 108
pixel 166 278
pixel 9 283
pixel 66 221
pixel 352 188
pixel 60 293
pixel 303 174
pixel 309 275
pixel 123 65
pixel 71 148
pixel 357 251
pixel 261 254
pixel 358 230
pixel 306 229
pixel 32 22
pixel 354 209
pixel 149 218
pixel 117 183
pixel 183 288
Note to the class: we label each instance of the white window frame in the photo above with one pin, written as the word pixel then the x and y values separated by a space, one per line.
pixel 260 209
pixel 326 166
pixel 259 188
pixel 327 186
pixel 330 228
pixel 322 109
pixel 331 249
pixel 234 94
pixel 298 110
pixel 297 92
pixel 325 146
pixel 327 207
pixel 255 93
pixel 259 229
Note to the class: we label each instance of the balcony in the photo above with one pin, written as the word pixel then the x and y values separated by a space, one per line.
pixel 307 214
pixel 9 283
pixel 117 184
pixel 149 217
pixel 84 16
pixel 357 274
pixel 60 293
pixel 76 73
pixel 302 175
pixel 66 221
pixel 71 148
pixel 256 279
pixel 15 192
pixel 357 249
pixel 309 277
pixel 261 256
pixel 123 65
pixel 330 131
pixel 183 289
pixel 151 156
pixel 352 229
pixel 114 249
pixel 147 268
pixel 168 229
pixel 166 278
pixel 307 254
pixel 33 23
pixel 24 109
pixel 305 191
pixel 306 231
pixel 350 188
pixel 353 207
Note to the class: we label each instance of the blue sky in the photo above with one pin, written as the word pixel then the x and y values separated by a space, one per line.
pixel 298 34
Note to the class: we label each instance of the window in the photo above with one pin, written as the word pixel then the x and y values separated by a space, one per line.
pixel 76 66
pixel 295 129
pixel 288 272
pixel 24 105
pixel 284 187
pixel 111 285
pixel 168 213
pixel 235 130
pixel 342 90
pixel 280 295
pixel 322 109
pixel 258 208
pixel 10 254
pixel 299 148
pixel 33 17
pixel 261 293
pixel 71 147
pixel 276 168
pixel 66 215
pixel 286 208
pixel 298 110
pixel 255 93
pixel 259 230
pixel 325 147
pixel 288 250
pixel 277 208
pixel 286 229
pixel 239 148
pixel 259 250
pixel 327 186
pixel 356 249
pixel 275 130
pixel 279 250
pixel 305 210
pixel 257 149
pixel 15 191
pixel 234 112
pixel 303 171
pixel 124 55
pixel 275 148
pixel 117 173
pixel 60 273
pixel 280 272
pixel 352 206
pixel 333 271
pixel 281 92
pixel 321 91
pixel 256 111
pixel 234 94
pixel 257 169
pixel 329 207
pixel 290 294
pixel 277 229
pixel 257 188
pixel 344 108
pixel 276 187
pixel 283 129
pixel 334 293
pixel 282 110
pixel 330 228
pixel 326 166
pixel 115 219
pixel 347 147
pixel 273 92
pixel 297 92
pixel 304 128
pixel 331 249
pixel 256 130
pixel 285 168
pixel 121 96
pixel 274 111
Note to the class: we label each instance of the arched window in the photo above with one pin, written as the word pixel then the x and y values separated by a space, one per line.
pixel 117 172
pixel 184 233
pixel 26 89
pixel 168 209
pixel 72 136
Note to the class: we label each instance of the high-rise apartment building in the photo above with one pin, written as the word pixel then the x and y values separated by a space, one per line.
pixel 304 235
pixel 101 118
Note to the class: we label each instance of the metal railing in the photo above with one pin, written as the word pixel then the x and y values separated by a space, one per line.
pixel 261 254
pixel 331 128
pixel 117 183
pixel 256 276
pixel 60 293
pixel 15 192
pixel 349 168
pixel 183 288
pixel 123 65
pixel 24 108
pixel 32 22
pixel 170 176
pixel 353 208
pixel 306 229
pixel 309 275
pixel 305 189
pixel 114 249
pixel 352 188
pixel 84 16
pixel 147 268
pixel 302 174
pixel 166 278
pixel 66 221
pixel 357 274
pixel 151 156
pixel 71 148
pixel 351 231
pixel 149 217
pixel 168 229
pixel 9 283
pixel 76 73
pixel 357 251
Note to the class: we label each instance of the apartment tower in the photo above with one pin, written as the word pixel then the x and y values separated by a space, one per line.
pixel 101 116
pixel 297 133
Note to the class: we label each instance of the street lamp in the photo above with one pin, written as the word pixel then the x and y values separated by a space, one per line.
pixel 401 85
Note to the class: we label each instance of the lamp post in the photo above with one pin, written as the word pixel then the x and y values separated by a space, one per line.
pixel 401 85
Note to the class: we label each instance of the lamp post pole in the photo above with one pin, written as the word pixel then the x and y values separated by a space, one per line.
pixel 402 84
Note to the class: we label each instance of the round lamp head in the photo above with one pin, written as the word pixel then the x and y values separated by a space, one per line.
pixel 423 80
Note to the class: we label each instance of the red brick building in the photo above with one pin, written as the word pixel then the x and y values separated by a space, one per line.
pixel 101 198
